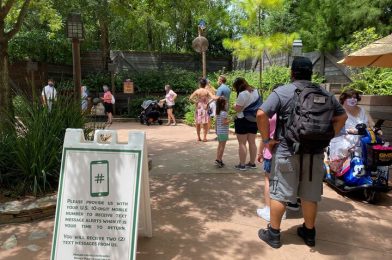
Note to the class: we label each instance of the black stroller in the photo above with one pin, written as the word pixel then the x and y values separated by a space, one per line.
pixel 151 112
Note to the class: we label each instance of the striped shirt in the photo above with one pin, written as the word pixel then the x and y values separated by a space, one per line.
pixel 221 128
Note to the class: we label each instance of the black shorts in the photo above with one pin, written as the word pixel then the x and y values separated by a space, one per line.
pixel 243 126
pixel 108 107
pixel 170 107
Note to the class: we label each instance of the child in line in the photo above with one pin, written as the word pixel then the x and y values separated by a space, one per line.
pixel 222 129
pixel 264 156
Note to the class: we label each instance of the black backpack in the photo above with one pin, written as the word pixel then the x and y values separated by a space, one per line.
pixel 309 128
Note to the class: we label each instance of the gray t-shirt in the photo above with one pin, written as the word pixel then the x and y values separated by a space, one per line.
pixel 279 102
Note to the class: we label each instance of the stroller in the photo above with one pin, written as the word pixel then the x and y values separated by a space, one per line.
pixel 367 169
pixel 150 113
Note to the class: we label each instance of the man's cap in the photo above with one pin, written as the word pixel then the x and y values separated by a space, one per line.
pixel 301 64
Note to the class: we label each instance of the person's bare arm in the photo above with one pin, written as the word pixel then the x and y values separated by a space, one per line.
pixel 260 157
pixel 338 122
pixel 238 108
pixel 193 95
pixel 174 95
pixel 263 125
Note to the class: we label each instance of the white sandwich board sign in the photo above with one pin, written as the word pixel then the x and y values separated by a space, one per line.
pixel 103 197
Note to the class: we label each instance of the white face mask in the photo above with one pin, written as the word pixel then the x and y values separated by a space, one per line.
pixel 351 102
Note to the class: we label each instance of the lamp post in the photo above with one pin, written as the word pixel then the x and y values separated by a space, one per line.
pixel 75 32
pixel 112 68
pixel 200 44
pixel 297 48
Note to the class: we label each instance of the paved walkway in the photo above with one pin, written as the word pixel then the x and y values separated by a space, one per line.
pixel 202 212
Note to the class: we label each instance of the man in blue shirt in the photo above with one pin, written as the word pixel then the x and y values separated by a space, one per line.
pixel 223 90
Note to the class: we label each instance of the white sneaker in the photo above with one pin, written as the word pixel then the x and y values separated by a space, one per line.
pixel 264 213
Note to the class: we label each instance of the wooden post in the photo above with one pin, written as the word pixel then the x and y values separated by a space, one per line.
pixel 322 64
pixel 204 64
pixel 113 91
pixel 76 68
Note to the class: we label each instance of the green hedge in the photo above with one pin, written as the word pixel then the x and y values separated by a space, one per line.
pixel 146 82
pixel 373 81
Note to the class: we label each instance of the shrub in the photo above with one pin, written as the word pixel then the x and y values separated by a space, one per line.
pixel 33 144
pixel 146 82
pixel 373 81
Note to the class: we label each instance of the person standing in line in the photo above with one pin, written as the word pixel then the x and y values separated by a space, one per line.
pixel 248 99
pixel 285 182
pixel 211 104
pixel 170 102
pixel 222 130
pixel 108 104
pixel 264 156
pixel 223 90
pixel 201 97
pixel 49 94
pixel 84 98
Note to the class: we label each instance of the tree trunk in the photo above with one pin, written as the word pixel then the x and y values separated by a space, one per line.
pixel 150 39
pixel 104 22
pixel 105 45
pixel 5 93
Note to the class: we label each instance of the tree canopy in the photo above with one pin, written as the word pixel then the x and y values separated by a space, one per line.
pixel 170 26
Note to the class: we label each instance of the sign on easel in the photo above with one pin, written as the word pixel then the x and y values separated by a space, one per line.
pixel 103 188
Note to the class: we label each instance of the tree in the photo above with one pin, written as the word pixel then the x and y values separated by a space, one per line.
pixel 325 25
pixel 7 32
pixel 254 38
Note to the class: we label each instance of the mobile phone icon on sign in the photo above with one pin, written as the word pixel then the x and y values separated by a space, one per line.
pixel 99 178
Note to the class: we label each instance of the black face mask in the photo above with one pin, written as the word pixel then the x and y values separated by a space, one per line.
pixel 51 84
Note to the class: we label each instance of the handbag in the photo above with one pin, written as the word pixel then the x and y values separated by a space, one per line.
pixel 251 110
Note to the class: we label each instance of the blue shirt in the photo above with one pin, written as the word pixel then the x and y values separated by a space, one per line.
pixel 225 91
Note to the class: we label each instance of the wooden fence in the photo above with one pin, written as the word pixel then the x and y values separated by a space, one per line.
pixel 324 64
pixel 142 61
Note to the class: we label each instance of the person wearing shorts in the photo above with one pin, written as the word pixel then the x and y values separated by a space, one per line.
pixel 264 156
pixel 285 183
pixel 170 102
pixel 245 130
pixel 222 130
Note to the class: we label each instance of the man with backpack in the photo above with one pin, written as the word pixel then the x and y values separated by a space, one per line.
pixel 308 117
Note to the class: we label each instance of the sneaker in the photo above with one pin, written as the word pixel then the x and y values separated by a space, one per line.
pixel 264 213
pixel 292 206
pixel 240 167
pixel 308 235
pixel 220 164
pixel 174 124
pixel 251 165
pixel 270 237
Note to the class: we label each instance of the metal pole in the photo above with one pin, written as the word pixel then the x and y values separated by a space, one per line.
pixel 76 68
